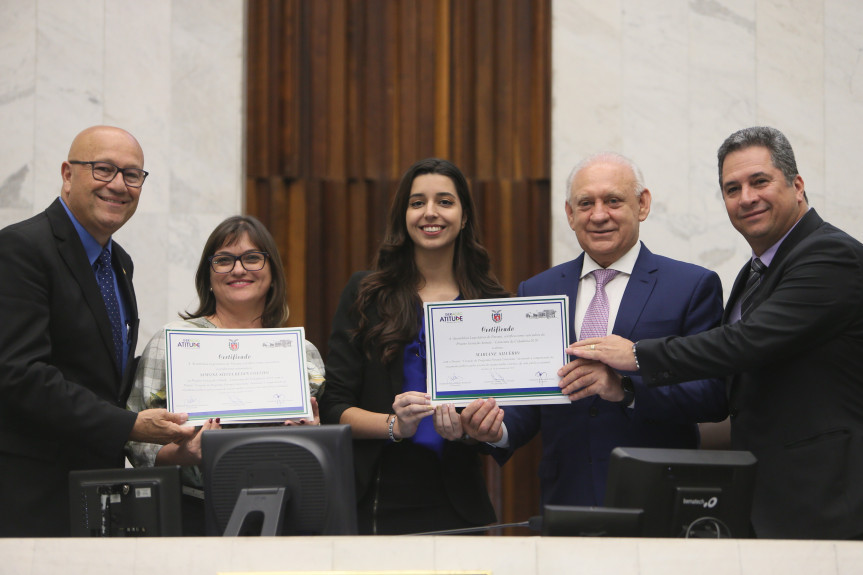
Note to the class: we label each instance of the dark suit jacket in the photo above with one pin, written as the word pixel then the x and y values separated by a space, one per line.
pixel 663 297
pixel 797 387
pixel 355 381
pixel 61 397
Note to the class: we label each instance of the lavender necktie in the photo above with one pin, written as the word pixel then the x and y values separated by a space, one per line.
pixel 595 323
pixel 105 278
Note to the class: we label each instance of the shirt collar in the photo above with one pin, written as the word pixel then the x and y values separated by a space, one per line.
pixel 624 265
pixel 770 252
pixel 91 246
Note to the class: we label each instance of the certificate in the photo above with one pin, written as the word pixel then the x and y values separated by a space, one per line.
pixel 239 375
pixel 509 349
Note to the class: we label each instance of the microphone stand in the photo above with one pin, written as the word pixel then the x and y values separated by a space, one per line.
pixel 534 524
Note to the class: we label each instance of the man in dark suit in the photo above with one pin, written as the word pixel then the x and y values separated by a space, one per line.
pixel 791 344
pixel 66 351
pixel 647 295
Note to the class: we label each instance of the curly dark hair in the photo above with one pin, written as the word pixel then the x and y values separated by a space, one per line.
pixel 392 285
pixel 226 233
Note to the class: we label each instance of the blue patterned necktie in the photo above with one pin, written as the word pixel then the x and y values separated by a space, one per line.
pixel 105 277
pixel 595 323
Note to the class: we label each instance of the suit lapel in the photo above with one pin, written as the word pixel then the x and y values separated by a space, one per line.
pixel 807 224
pixel 122 265
pixel 72 253
pixel 123 269
pixel 396 372
pixel 638 290
pixel 736 289
pixel 567 283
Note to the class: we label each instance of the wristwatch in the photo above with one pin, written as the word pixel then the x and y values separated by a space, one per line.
pixel 628 391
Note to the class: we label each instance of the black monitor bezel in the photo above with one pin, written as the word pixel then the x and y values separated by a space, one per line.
pixel 655 479
pixel 333 442
pixel 167 501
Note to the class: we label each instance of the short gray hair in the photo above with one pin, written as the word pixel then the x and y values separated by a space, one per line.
pixel 775 141
pixel 607 158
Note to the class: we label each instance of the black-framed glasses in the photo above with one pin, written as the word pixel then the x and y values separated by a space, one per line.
pixel 106 172
pixel 251 262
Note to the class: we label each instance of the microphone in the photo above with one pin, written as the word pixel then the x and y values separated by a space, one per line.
pixel 534 524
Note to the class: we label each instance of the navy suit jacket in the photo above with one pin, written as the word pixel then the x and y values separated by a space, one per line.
pixel 663 297
pixel 796 398
pixel 62 396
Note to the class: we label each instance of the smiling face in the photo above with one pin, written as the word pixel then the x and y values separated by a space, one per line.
pixel 241 289
pixel 101 207
pixel 760 202
pixel 434 215
pixel 604 211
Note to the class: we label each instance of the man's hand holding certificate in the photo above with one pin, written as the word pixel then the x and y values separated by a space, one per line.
pixel 509 349
pixel 244 375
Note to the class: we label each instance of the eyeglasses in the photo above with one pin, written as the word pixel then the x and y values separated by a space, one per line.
pixel 106 172
pixel 251 262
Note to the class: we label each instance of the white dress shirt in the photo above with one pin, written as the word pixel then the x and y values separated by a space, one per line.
pixel 613 289
pixel 586 290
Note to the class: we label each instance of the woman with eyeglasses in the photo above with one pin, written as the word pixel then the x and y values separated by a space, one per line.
pixel 241 285
pixel 414 472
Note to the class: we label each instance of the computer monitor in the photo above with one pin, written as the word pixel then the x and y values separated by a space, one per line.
pixel 131 502
pixel 283 480
pixel 574 521
pixel 684 492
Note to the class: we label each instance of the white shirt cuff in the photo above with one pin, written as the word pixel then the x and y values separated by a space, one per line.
pixel 504 439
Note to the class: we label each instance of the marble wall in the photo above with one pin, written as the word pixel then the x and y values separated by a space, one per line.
pixel 170 72
pixel 665 82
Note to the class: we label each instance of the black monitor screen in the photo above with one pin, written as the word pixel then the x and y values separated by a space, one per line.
pixel 684 492
pixel 279 480
pixel 125 502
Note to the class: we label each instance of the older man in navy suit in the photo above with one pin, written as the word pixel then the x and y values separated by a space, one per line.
pixel 617 285
pixel 67 337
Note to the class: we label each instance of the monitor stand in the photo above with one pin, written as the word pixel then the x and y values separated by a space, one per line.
pixel 258 511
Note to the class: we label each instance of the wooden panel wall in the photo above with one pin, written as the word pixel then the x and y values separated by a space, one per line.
pixel 344 95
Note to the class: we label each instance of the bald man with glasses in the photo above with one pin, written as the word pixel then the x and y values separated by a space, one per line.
pixel 67 337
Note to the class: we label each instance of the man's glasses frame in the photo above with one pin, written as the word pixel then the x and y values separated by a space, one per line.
pixel 106 172
pixel 243 262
